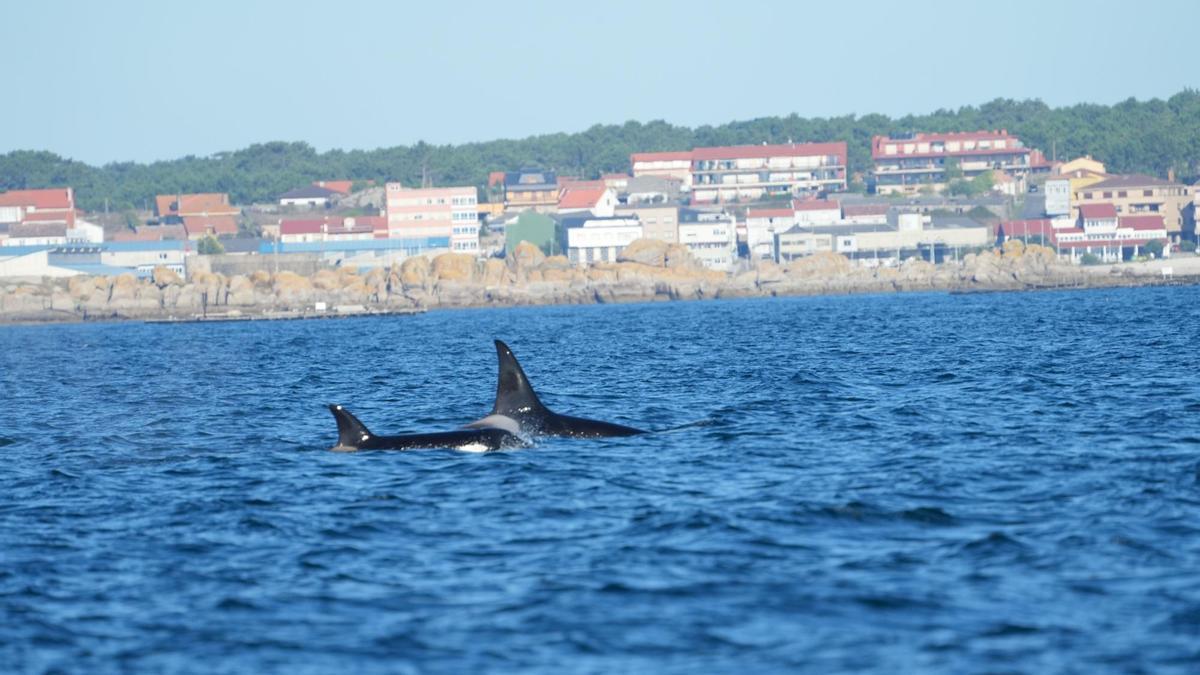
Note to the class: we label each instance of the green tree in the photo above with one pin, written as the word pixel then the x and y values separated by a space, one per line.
pixel 1154 248
pixel 209 246
pixel 953 169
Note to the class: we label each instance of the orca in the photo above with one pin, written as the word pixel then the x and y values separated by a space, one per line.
pixel 518 411
pixel 353 435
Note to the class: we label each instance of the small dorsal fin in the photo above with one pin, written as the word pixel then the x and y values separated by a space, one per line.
pixel 514 394
pixel 351 432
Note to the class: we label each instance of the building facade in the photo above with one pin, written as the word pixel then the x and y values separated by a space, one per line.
pixel 750 172
pixel 593 240
pixel 906 164
pixel 531 189
pixel 711 238
pixel 658 222
pixel 422 213
pixel 671 165
pixel 761 227
pixel 202 214
pixel 1135 194
pixel 48 206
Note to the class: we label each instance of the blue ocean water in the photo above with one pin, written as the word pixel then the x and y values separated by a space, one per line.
pixel 900 483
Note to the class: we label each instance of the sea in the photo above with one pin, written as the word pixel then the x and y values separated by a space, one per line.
pixel 906 483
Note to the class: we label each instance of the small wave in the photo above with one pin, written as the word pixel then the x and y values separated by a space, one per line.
pixel 929 515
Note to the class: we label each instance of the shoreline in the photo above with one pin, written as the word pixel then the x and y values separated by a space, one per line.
pixel 456 281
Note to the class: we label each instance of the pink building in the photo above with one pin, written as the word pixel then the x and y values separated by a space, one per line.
pixel 435 213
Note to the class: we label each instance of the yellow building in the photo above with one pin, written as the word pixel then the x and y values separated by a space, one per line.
pixel 1085 163
pixel 1136 194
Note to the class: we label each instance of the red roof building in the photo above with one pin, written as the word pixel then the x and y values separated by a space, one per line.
pixel 905 164
pixel 342 187
pixel 750 172
pixel 600 200
pixel 332 228
pixel 1097 211
pixel 47 205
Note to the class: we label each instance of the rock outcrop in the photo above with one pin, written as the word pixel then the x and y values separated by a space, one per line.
pixel 645 271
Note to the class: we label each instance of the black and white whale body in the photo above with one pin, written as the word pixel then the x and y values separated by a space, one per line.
pixel 518 410
pixel 354 435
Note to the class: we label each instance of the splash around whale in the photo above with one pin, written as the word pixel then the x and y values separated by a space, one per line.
pixel 517 416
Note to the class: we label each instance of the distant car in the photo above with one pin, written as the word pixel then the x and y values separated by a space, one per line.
pixel 1033 188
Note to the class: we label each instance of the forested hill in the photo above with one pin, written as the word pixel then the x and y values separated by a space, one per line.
pixel 1132 136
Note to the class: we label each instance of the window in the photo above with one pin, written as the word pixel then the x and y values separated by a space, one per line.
pixel 1121 194
pixel 1147 193
pixel 1107 194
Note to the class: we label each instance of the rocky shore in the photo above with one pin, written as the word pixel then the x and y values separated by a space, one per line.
pixel 647 270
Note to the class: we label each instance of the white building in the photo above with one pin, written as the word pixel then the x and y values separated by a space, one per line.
pixel 85 233
pixel 592 240
pixel 816 211
pixel 1058 196
pixel 711 237
pixel 750 172
pixel 761 227
pixel 308 196
pixel 673 165
pixel 600 201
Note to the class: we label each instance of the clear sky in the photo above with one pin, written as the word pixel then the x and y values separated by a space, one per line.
pixel 126 80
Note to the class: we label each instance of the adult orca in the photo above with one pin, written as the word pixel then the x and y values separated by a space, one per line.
pixel 518 411
pixel 354 435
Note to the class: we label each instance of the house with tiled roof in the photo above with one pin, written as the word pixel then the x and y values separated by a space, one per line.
pixel 1099 231
pixel 309 196
pixel 202 214
pixel 52 205
pixel 600 201
pixel 341 187
pixel 1138 194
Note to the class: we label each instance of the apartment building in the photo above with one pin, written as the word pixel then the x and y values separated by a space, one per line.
pixel 1135 194
pixel 659 222
pixel 670 165
pixel 905 164
pixel 434 213
pixel 711 237
pixel 750 172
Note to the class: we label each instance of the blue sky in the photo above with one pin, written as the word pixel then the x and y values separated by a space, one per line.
pixel 113 81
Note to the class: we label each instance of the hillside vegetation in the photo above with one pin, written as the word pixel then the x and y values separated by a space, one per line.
pixel 1151 136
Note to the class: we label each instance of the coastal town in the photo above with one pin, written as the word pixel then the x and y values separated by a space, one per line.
pixel 933 197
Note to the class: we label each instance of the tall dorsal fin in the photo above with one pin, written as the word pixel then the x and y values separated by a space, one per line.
pixel 514 394
pixel 351 432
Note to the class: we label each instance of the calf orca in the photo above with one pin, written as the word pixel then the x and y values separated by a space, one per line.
pixel 354 435
pixel 518 411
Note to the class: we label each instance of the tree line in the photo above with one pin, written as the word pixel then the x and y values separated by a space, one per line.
pixel 1153 136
